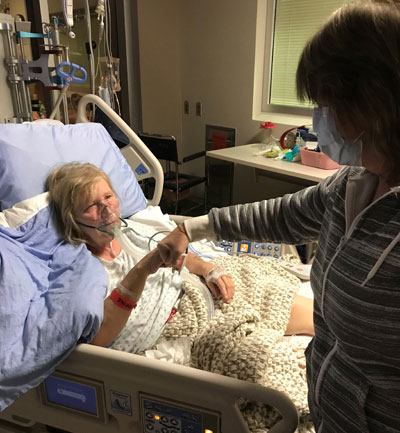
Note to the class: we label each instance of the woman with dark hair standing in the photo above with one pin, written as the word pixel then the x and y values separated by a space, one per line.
pixel 351 70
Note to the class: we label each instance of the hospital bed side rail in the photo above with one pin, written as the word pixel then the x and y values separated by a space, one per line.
pixel 133 375
pixel 142 161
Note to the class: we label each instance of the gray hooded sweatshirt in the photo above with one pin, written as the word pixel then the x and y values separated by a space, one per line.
pixel 353 362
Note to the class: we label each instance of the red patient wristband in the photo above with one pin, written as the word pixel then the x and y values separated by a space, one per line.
pixel 122 302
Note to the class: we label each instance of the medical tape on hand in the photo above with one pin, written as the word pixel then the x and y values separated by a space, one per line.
pixel 214 273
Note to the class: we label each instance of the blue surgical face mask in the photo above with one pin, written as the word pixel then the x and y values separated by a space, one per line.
pixel 339 149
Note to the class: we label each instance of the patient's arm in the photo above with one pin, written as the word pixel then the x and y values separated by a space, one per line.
pixel 221 285
pixel 115 318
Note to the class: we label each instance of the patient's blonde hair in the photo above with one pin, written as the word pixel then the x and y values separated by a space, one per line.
pixel 69 186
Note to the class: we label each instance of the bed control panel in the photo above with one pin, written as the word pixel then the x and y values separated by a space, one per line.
pixel 74 394
pixel 256 248
pixel 163 416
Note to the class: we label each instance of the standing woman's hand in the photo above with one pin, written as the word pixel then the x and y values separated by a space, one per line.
pixel 173 246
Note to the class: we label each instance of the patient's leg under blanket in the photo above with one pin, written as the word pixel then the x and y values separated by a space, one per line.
pixel 245 338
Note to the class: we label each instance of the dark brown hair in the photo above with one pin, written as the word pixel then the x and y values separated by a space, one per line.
pixel 352 65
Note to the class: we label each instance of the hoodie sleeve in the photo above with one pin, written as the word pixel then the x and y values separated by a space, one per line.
pixel 291 219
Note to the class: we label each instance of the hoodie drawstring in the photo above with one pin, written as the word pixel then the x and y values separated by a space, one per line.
pixel 381 259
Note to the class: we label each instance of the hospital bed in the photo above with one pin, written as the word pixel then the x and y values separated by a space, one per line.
pixel 102 390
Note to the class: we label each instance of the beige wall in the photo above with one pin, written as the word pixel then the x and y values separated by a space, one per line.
pixel 202 51
pixel 18 7
pixel 160 66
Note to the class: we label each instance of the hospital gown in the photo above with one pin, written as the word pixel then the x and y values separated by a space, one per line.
pixel 161 293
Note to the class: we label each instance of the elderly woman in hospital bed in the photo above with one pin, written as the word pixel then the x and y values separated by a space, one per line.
pixel 53 292
pixel 142 295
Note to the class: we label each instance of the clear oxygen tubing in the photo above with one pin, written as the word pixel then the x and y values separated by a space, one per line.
pixel 123 242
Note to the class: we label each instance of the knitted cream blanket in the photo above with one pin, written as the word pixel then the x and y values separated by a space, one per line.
pixel 244 339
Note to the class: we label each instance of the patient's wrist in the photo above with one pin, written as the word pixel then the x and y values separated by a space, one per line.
pixel 129 294
pixel 214 273
pixel 122 301
pixel 208 267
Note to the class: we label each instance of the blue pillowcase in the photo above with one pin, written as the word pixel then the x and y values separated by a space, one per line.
pixel 29 152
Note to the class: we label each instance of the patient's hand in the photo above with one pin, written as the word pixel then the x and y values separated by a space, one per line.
pixel 218 281
pixel 151 262
pixel 135 279
pixel 173 246
pixel 221 284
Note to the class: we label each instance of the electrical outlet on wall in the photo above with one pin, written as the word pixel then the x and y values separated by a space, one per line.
pixel 199 108
pixel 186 109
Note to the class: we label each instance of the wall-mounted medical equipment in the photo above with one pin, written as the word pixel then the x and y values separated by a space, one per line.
pixel 109 79
pixel 15 95
pixel 68 78
pixel 68 10
pixel 18 72
pixel 108 65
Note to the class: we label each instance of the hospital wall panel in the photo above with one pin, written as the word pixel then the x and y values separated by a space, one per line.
pixel 199 52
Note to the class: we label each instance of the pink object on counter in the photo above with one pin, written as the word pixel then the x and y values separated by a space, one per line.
pixel 317 159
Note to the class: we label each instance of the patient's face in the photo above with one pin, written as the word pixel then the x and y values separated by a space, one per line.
pixel 100 209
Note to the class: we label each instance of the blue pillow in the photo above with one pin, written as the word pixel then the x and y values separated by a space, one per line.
pixel 29 152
